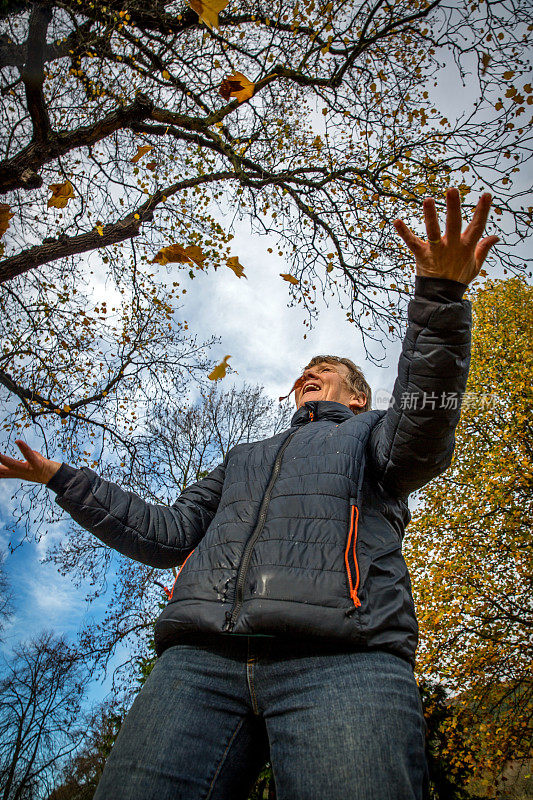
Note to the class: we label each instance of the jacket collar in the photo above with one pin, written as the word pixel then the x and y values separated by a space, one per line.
pixel 321 409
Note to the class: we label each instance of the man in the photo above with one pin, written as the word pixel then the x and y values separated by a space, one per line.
pixel 291 632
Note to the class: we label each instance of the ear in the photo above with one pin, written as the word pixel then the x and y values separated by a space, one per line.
pixel 357 402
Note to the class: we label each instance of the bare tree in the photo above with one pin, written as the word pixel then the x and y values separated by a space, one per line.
pixel 41 689
pixel 5 599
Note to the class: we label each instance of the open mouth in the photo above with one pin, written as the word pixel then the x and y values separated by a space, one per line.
pixel 310 387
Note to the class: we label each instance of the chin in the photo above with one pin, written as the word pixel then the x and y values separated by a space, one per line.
pixel 308 397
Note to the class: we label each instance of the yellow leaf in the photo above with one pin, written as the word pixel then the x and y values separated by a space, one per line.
pixel 236 85
pixel 178 254
pixel 100 229
pixel 5 216
pixel 165 74
pixel 208 10
pixel 194 253
pixel 141 151
pixel 220 370
pixel 238 269
pixel 289 278
pixel 61 194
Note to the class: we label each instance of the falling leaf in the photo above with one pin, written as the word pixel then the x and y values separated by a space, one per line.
pixel 141 151
pixel 194 253
pixel 176 253
pixel 5 215
pixel 61 194
pixel 236 85
pixel 289 278
pixel 238 269
pixel 208 11
pixel 296 385
pixel 220 370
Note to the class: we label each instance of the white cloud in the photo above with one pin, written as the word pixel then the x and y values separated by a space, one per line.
pixel 261 333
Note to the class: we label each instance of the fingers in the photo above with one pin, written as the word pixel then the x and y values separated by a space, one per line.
pixel 431 220
pixel 453 215
pixel 10 467
pixel 483 248
pixel 411 240
pixel 10 462
pixel 32 456
pixel 13 468
pixel 474 230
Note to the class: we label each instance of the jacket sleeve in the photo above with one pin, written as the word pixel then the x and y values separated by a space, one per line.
pixel 414 441
pixel 157 535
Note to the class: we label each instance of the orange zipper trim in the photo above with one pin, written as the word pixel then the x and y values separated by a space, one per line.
pixel 354 518
pixel 179 573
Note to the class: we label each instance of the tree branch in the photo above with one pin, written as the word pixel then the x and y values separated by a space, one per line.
pixel 125 228
pixel 33 71
pixel 36 154
pixel 13 55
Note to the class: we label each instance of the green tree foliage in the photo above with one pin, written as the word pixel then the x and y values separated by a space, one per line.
pixel 469 547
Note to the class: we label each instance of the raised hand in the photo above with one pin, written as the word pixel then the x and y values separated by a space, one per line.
pixel 35 468
pixel 456 255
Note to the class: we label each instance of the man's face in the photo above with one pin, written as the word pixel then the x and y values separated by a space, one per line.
pixel 327 382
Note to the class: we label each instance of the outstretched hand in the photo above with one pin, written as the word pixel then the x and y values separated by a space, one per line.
pixel 457 255
pixel 35 468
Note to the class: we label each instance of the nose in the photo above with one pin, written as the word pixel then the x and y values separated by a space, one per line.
pixel 309 373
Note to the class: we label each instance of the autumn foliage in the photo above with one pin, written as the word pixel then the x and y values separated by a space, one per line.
pixel 470 542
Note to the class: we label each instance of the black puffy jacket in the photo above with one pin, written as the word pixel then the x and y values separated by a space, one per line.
pixel 301 534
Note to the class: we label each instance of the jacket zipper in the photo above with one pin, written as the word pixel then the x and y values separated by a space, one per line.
pixel 353 584
pixel 231 616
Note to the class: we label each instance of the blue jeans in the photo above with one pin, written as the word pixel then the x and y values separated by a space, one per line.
pixel 334 723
